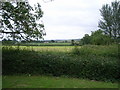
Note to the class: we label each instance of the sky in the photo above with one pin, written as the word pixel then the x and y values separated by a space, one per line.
pixel 70 19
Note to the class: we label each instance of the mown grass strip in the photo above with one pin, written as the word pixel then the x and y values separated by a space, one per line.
pixel 52 82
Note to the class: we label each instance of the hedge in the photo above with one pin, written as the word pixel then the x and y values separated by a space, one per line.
pixel 24 61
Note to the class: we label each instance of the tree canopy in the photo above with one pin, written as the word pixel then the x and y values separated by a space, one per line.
pixel 110 22
pixel 96 38
pixel 86 39
pixel 20 21
pixel 99 38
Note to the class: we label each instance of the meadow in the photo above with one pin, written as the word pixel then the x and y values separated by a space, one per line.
pixel 91 62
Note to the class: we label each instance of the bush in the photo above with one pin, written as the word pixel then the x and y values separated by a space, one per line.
pixel 110 51
pixel 17 61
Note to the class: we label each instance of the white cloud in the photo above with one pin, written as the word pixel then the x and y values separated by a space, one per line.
pixel 68 19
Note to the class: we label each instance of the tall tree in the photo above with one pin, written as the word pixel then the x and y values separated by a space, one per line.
pixel 21 21
pixel 110 22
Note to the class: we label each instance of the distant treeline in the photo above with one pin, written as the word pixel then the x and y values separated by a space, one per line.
pixel 96 38
pixel 36 43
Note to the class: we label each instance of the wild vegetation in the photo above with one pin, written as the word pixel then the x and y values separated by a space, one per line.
pixel 84 62
pixel 94 57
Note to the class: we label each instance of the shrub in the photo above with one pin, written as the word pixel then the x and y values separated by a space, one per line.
pixel 110 51
pixel 36 63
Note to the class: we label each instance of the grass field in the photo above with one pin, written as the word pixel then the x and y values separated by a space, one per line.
pixel 52 82
pixel 46 44
pixel 64 49
pixel 53 49
pixel 87 62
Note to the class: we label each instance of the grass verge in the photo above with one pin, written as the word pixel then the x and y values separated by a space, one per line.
pixel 53 82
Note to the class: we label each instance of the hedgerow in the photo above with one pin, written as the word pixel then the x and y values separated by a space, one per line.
pixel 95 67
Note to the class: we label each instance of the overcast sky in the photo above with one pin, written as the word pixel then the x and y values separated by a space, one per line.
pixel 70 19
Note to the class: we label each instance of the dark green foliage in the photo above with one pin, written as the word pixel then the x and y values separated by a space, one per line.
pixel 99 38
pixel 105 51
pixel 85 65
pixel 19 20
pixel 109 26
pixel 96 38
pixel 110 22
pixel 72 42
pixel 86 39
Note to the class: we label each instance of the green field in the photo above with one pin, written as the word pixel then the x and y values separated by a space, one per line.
pixel 64 49
pixel 52 82
pixel 46 44
pixel 60 50
pixel 53 49
pixel 84 65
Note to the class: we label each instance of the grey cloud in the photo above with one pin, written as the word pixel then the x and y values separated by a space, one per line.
pixel 74 17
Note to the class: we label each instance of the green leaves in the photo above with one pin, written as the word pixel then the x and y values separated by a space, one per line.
pixel 20 16
pixel 86 39
pixel 93 62
pixel 110 22
pixel 97 38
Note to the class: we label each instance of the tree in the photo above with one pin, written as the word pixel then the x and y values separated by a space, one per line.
pixel 110 22
pixel 86 39
pixel 99 38
pixel 20 21
pixel 96 38
pixel 52 41
pixel 73 42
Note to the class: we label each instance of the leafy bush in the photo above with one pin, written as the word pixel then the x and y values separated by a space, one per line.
pixel 110 51
pixel 17 61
